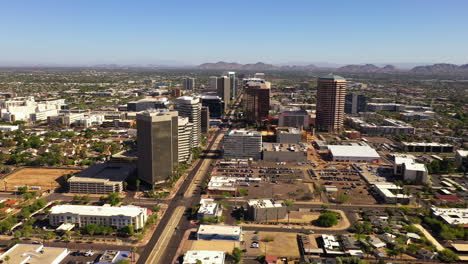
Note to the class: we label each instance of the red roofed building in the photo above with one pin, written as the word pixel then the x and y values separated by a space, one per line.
pixel 448 199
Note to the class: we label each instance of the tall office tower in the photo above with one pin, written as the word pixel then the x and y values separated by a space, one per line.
pixel 184 139
pixel 190 107
pixel 233 83
pixel 256 102
pixel 355 103
pixel 331 92
pixel 224 90
pixel 205 119
pixel 188 83
pixel 213 83
pixel 157 145
pixel 214 104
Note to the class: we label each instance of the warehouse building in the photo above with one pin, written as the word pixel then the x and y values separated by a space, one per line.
pixel 266 210
pixel 81 215
pixel 353 153
pixel 284 152
pixel 219 232
pixel 101 178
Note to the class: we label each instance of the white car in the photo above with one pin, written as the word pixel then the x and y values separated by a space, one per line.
pixel 89 253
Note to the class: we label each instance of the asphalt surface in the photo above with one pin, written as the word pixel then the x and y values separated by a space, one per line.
pixel 184 223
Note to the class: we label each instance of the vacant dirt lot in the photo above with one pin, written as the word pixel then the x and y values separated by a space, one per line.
pixel 283 244
pixel 35 177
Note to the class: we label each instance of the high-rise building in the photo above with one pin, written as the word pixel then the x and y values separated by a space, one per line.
pixel 184 142
pixel 188 83
pixel 176 92
pixel 190 107
pixel 215 105
pixel 242 144
pixel 296 118
pixel 331 92
pixel 224 90
pixel 205 119
pixel 157 145
pixel 232 83
pixel 213 83
pixel 256 101
pixel 355 103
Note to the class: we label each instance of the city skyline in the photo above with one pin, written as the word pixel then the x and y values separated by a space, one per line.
pixel 85 33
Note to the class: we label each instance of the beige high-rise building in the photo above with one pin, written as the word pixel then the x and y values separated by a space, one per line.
pixel 331 93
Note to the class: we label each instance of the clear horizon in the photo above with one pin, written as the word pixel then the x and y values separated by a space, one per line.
pixel 275 32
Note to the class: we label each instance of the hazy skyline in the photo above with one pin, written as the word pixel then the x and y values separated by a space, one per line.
pixel 193 32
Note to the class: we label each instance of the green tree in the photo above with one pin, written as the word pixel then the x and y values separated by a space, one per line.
pixel 237 255
pixel 448 256
pixel 327 219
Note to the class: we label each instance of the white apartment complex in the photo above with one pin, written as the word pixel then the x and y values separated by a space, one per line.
pixel 184 138
pixel 81 215
pixel 190 107
pixel 28 109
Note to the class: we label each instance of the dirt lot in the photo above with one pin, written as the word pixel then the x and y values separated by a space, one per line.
pixel 284 244
pixel 35 177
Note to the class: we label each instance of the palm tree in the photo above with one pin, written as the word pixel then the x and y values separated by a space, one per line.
pixel 267 240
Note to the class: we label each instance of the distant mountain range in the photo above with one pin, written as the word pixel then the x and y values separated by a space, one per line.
pixel 440 68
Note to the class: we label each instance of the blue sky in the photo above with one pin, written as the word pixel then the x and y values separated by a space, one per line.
pixel 192 32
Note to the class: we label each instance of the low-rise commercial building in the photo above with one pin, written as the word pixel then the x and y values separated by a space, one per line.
pixel 34 254
pixel 452 216
pixel 82 215
pixel 209 208
pixel 284 152
pixel 410 170
pixel 288 135
pixel 392 194
pixel 387 127
pixel 266 210
pixel 205 256
pixel 242 144
pixel 427 147
pixel 296 118
pixel 353 153
pixel 219 232
pixel 102 178
pixel 461 157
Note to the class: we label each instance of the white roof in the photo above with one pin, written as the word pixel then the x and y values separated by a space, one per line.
pixel 353 151
pixel 385 189
pixel 264 203
pixel 453 216
pixel 205 256
pixel 220 229
pixel 207 206
pixel 462 153
pixel 128 210
pixel 415 166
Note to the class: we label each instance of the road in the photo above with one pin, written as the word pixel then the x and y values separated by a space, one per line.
pixel 163 245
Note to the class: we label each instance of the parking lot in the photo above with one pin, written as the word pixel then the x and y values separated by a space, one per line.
pixel 346 180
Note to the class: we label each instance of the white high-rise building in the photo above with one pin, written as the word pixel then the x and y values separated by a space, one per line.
pixel 242 144
pixel 190 107
pixel 184 138
pixel 233 83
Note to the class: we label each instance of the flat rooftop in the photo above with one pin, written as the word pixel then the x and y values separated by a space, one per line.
pixel 34 254
pixel 283 147
pixel 353 151
pixel 105 172
pixel 220 229
pixel 128 210
pixel 265 203
pixel 243 133
pixel 206 256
